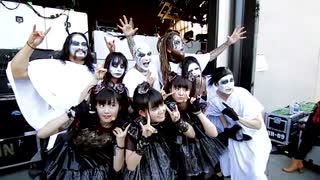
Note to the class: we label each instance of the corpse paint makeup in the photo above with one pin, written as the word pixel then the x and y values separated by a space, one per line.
pixel 194 69
pixel 116 68
pixel 226 84
pixel 143 56
pixel 177 44
pixel 78 47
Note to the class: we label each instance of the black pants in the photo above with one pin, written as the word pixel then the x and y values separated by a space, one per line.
pixel 309 136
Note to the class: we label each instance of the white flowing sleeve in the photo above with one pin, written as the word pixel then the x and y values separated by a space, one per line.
pixel 251 106
pixel 59 84
pixel 213 108
pixel 129 82
pixel 34 108
pixel 247 107
pixel 52 88
pixel 157 65
pixel 154 74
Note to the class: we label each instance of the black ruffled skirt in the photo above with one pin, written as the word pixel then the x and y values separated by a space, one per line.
pixel 66 161
pixel 155 164
pixel 197 156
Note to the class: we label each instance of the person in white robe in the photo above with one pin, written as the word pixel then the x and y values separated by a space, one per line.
pixel 142 70
pixel 45 88
pixel 247 158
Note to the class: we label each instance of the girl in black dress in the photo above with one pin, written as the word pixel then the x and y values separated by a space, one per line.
pixel 195 156
pixel 148 155
pixel 93 147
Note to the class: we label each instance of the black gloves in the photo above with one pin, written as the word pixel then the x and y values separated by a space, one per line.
pixel 195 106
pixel 230 112
pixel 235 133
pixel 171 105
pixel 81 109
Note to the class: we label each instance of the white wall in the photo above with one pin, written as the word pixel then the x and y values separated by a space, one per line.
pixel 13 35
pixel 223 30
pixel 289 37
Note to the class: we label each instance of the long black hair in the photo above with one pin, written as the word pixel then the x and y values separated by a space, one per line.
pixel 200 83
pixel 115 56
pixel 185 65
pixel 64 54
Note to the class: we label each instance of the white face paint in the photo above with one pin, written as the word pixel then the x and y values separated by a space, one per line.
pixel 226 84
pixel 177 44
pixel 143 56
pixel 78 47
pixel 116 68
pixel 194 69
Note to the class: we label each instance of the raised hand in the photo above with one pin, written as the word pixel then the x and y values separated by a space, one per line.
pixel 150 79
pixel 36 37
pixel 230 112
pixel 127 27
pixel 81 109
pixel 235 133
pixel 195 105
pixel 147 129
pixel 110 45
pixel 173 112
pixel 120 135
pixel 164 94
pixel 236 35
pixel 100 72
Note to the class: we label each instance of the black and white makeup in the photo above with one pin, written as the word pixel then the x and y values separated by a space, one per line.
pixel 78 47
pixel 194 69
pixel 226 84
pixel 116 68
pixel 177 44
pixel 143 56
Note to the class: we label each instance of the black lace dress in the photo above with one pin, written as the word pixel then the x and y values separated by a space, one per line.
pixel 156 163
pixel 82 154
pixel 196 156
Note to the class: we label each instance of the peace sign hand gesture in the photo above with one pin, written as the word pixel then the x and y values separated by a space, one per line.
pixel 36 37
pixel 195 105
pixel 120 135
pixel 127 27
pixel 147 129
pixel 173 111
pixel 164 94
